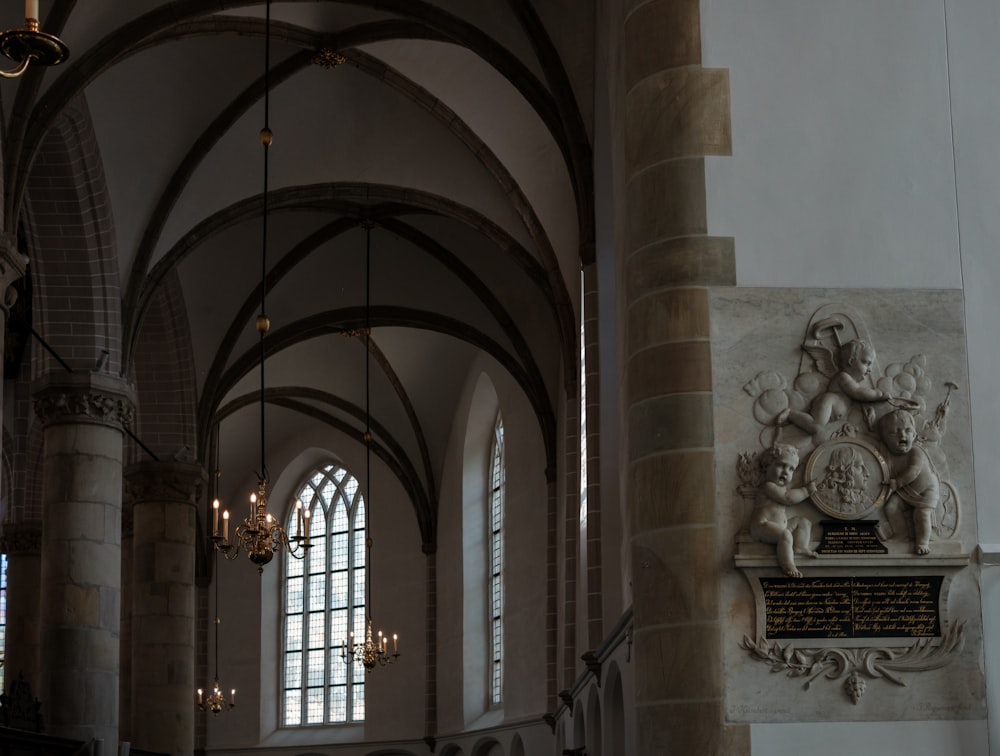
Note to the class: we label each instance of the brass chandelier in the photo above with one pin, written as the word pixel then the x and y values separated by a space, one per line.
pixel 30 45
pixel 260 534
pixel 373 651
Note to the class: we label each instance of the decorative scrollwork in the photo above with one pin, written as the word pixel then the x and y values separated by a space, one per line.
pixel 834 663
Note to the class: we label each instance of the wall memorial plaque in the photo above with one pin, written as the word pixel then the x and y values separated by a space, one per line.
pixel 854 515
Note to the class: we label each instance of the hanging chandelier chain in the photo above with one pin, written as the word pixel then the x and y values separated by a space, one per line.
pixel 371 651
pixel 215 700
pixel 216 622
pixel 260 534
pixel 368 432
pixel 266 138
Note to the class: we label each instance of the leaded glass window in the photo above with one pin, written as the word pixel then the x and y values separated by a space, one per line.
pixel 496 547
pixel 324 602
pixel 3 615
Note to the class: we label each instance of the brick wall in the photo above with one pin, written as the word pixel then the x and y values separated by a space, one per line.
pixel 72 253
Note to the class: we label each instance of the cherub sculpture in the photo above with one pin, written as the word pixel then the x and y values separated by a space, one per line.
pixel 914 486
pixel 850 383
pixel 769 521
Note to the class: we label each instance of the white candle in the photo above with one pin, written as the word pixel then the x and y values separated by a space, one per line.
pixel 395 643
pixel 298 516
pixel 305 516
pixel 225 526
pixel 232 698
pixel 215 518
pixel 200 698
pixel 31 9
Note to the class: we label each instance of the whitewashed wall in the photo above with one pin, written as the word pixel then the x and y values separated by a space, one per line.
pixel 864 155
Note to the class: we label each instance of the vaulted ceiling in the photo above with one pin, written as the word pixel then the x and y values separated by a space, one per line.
pixel 461 129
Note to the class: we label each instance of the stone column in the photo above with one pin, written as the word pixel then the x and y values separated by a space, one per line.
pixel 22 542
pixel 675 113
pixel 83 416
pixel 125 631
pixel 165 496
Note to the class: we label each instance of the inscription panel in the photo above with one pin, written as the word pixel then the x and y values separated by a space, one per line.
pixel 858 537
pixel 852 607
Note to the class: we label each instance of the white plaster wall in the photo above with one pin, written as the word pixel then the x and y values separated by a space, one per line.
pixel 842 171
pixel 864 155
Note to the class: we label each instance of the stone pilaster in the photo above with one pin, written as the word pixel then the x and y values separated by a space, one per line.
pixel 22 542
pixel 165 496
pixel 125 633
pixel 83 416
pixel 675 113
pixel 594 578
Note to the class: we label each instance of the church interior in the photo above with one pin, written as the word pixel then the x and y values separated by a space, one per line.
pixel 403 377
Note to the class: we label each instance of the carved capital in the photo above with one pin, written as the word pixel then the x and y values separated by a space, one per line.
pixel 168 481
pixel 22 538
pixel 84 398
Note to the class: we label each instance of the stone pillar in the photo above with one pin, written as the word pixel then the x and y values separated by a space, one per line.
pixel 83 416
pixel 22 542
pixel 675 113
pixel 125 631
pixel 165 496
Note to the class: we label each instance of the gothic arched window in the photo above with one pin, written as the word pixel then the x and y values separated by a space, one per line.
pixel 324 601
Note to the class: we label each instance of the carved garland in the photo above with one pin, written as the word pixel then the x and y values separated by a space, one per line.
pixel 834 663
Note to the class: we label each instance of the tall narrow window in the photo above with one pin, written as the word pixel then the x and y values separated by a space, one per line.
pixel 583 556
pixel 3 616
pixel 324 602
pixel 497 481
pixel 583 415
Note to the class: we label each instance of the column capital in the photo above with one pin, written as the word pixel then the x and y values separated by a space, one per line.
pixel 94 398
pixel 13 265
pixel 22 538
pixel 165 481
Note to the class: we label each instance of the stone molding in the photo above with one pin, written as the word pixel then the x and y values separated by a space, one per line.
pixel 21 539
pixel 92 398
pixel 168 481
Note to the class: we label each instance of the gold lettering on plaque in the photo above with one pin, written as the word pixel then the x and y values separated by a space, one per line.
pixel 852 607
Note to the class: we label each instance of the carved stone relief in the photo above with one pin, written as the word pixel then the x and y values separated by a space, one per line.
pixel 847 520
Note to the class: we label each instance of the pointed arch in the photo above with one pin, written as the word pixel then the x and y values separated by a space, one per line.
pixel 71 245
